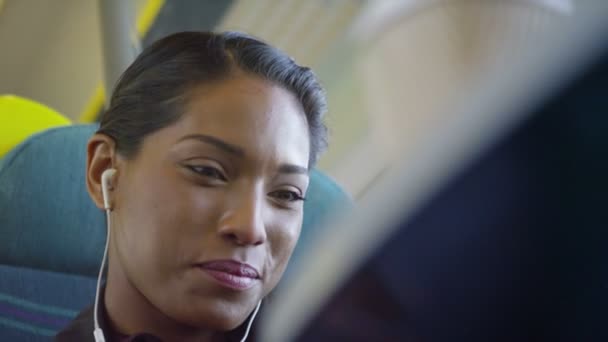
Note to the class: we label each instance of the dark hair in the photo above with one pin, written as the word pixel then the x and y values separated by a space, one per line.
pixel 152 92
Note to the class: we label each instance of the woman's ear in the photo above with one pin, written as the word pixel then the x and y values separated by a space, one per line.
pixel 101 154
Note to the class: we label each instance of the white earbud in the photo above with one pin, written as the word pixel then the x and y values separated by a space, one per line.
pixel 105 185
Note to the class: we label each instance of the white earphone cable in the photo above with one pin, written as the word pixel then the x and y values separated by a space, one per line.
pixel 255 312
pixel 98 333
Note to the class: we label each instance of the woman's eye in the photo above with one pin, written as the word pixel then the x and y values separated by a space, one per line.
pixel 209 172
pixel 287 196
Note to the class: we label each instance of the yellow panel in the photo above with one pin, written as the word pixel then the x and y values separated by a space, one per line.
pixel 147 16
pixel 145 19
pixel 20 118
pixel 94 106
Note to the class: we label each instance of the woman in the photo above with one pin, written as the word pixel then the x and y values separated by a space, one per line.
pixel 211 137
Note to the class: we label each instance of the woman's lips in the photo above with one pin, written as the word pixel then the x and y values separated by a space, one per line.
pixel 231 274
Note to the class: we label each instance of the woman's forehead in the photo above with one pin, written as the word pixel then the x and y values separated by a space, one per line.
pixel 245 98
pixel 262 119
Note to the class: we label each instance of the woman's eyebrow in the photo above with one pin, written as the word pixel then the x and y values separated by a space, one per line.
pixel 291 168
pixel 232 149
pixel 240 152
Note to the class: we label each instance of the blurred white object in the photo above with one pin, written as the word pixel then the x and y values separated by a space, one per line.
pixel 377 14
pixel 416 58
pixel 494 100
pixel 563 6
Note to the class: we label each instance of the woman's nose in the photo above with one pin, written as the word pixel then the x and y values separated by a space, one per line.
pixel 243 223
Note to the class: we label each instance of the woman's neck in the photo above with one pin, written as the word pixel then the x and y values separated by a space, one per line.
pixel 130 312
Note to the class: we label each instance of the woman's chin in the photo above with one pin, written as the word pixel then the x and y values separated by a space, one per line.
pixel 217 317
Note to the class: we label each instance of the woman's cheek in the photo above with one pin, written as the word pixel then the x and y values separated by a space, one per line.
pixel 283 241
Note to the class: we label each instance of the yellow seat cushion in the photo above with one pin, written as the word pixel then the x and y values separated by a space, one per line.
pixel 20 118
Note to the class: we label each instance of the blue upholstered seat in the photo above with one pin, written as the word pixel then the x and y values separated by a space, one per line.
pixel 52 236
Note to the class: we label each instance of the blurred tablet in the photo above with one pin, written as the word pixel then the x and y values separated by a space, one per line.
pixel 498 231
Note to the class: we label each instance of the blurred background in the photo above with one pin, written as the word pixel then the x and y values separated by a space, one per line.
pixel 391 68
pixel 473 154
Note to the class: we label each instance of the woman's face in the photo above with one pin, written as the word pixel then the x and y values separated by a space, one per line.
pixel 207 214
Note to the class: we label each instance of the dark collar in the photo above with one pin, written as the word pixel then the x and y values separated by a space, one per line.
pixel 81 329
